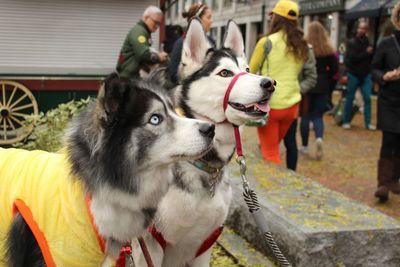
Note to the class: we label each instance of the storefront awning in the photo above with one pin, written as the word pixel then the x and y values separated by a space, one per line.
pixel 387 7
pixel 366 8
pixel 308 7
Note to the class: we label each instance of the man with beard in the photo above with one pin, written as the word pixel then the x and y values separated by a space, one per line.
pixel 358 62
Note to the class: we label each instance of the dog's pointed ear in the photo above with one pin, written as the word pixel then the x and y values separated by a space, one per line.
pixel 112 94
pixel 233 38
pixel 196 44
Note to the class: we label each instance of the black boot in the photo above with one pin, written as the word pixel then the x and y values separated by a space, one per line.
pixel 385 174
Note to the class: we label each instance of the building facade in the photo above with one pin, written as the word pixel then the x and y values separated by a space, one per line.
pixel 252 17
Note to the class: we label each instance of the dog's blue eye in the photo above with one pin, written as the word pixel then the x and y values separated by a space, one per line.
pixel 155 119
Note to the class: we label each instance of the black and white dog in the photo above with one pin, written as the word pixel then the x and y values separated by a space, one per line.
pixel 116 168
pixel 190 215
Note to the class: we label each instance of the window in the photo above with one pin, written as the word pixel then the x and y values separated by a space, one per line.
pixel 227 3
pixel 222 33
pixel 176 13
pixel 243 31
pixel 214 33
pixel 186 4
pixel 214 4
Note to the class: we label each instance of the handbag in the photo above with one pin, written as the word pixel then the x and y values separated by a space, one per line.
pixel 396 43
pixel 303 108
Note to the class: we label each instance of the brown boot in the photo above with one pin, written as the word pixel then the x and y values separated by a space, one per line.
pixel 385 173
pixel 382 193
pixel 395 186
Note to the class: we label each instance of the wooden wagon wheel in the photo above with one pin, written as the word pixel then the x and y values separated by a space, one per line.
pixel 16 103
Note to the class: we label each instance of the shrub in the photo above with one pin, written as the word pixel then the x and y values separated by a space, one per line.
pixel 50 127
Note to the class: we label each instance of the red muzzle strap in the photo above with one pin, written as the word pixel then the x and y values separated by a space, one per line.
pixel 239 150
pixel 230 87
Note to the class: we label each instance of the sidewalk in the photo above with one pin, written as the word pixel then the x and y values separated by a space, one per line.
pixel 349 164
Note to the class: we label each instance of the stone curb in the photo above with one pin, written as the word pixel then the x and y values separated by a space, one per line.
pixel 314 226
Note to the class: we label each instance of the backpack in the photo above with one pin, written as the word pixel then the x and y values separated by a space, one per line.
pixel 263 121
pixel 339 111
pixel 267 50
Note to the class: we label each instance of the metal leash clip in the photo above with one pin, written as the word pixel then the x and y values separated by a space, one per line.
pixel 241 160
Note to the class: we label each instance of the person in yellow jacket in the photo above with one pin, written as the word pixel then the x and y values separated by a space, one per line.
pixel 284 61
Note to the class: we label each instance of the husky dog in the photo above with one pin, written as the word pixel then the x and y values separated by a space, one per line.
pixel 115 170
pixel 190 215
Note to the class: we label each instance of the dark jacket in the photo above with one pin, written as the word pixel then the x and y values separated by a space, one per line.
pixel 175 58
pixel 135 52
pixel 357 59
pixel 327 67
pixel 387 58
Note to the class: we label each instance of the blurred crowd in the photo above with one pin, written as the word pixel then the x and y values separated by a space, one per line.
pixel 307 69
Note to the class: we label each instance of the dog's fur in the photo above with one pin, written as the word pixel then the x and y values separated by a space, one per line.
pixel 121 148
pixel 189 213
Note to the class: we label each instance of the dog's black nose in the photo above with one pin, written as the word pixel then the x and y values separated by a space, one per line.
pixel 207 130
pixel 268 84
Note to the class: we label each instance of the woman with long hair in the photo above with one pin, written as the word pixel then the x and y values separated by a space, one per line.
pixel 318 96
pixel 385 71
pixel 283 63
pixel 204 13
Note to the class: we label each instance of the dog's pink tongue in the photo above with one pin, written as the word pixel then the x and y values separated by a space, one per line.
pixel 263 107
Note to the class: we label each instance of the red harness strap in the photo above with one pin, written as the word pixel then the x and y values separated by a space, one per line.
pixel 158 236
pixel 204 246
pixel 230 87
pixel 217 232
pixel 126 250
pixel 209 241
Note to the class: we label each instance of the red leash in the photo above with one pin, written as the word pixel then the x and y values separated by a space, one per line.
pixel 146 252
pixel 239 150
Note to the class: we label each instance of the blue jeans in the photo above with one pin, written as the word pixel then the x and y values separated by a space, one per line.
pixel 291 146
pixel 316 107
pixel 365 84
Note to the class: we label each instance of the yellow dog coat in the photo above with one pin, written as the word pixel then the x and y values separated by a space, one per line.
pixel 40 186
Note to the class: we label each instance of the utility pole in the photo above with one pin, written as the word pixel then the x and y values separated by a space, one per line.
pixel 263 18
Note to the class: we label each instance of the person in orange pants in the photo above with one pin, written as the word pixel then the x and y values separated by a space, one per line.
pixel 287 53
pixel 271 134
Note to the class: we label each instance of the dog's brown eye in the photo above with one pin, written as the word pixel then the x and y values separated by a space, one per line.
pixel 225 73
pixel 155 119
pixel 247 69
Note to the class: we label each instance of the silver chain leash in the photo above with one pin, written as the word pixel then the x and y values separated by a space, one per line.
pixel 251 199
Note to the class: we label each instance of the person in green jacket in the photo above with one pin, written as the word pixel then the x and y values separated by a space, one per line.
pixel 136 52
